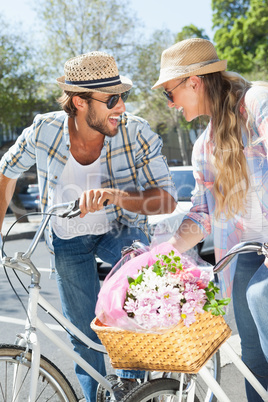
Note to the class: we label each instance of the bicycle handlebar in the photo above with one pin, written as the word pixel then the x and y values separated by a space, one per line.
pixel 71 210
pixel 21 261
pixel 240 248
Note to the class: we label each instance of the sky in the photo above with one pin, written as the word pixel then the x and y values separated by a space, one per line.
pixel 155 14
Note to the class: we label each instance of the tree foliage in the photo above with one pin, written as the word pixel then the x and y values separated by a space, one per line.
pixel 79 26
pixel 226 12
pixel 191 31
pixel 21 92
pixel 242 35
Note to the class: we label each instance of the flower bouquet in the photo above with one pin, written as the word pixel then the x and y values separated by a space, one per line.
pixel 156 290
pixel 158 311
pixel 166 292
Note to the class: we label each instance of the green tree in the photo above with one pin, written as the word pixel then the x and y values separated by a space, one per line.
pixel 191 31
pixel 21 93
pixel 79 26
pixel 242 35
pixel 226 12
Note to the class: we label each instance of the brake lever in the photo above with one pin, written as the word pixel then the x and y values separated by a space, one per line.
pixel 73 207
pixel 75 210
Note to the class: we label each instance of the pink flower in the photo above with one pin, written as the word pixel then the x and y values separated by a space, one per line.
pixel 161 298
pixel 170 315
pixel 187 314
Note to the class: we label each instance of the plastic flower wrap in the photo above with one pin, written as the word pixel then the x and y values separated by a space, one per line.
pixel 156 290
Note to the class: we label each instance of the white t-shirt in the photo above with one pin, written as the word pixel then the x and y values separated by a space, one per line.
pixel 74 180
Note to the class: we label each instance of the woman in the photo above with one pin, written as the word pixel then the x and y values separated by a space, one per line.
pixel 231 172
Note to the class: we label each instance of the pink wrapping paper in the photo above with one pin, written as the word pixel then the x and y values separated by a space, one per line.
pixel 111 298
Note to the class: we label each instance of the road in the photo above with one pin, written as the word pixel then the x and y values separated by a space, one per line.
pixel 12 317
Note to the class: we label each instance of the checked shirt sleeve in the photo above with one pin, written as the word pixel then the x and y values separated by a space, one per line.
pixel 21 156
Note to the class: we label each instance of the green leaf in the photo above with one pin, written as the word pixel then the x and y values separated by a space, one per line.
pixel 224 302
pixel 130 280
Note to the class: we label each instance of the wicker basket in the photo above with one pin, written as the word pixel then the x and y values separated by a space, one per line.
pixel 182 349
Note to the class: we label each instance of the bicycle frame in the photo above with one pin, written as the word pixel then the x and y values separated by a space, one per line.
pixel 29 339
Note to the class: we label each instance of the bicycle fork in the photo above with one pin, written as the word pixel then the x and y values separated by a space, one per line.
pixel 29 340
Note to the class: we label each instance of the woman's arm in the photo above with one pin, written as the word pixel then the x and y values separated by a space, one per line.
pixel 187 236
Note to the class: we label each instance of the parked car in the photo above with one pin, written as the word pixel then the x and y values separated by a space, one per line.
pixel 30 198
pixel 162 227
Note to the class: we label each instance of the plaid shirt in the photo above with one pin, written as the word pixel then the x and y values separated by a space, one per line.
pixel 131 160
pixel 228 233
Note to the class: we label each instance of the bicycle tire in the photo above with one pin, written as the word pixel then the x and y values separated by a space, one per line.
pixel 157 389
pixel 152 390
pixel 202 392
pixel 214 366
pixel 52 384
pixel 103 394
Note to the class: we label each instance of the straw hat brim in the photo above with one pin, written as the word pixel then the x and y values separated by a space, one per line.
pixel 125 85
pixel 172 74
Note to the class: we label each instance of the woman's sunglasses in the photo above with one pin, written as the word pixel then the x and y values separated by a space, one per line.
pixel 169 95
pixel 113 100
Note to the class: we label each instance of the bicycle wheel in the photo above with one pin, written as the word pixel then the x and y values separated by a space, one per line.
pixel 52 384
pixel 201 390
pixel 158 390
pixel 166 389
pixel 103 395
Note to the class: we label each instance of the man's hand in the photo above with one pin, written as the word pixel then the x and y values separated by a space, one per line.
pixel 93 200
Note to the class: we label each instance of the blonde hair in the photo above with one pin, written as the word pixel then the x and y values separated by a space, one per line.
pixel 226 91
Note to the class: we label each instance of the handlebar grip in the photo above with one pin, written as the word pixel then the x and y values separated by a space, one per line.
pixel 76 210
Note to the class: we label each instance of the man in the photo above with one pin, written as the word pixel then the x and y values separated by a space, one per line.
pixel 112 161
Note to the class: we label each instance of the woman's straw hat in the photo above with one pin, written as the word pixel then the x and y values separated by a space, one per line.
pixel 189 57
pixel 93 72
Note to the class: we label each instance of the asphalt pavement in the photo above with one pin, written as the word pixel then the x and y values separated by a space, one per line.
pixel 21 230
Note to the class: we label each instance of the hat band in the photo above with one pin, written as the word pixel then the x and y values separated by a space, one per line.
pixel 102 82
pixel 190 67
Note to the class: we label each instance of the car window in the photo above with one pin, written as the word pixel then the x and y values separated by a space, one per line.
pixel 184 182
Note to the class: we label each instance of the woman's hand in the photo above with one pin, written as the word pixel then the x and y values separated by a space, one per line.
pixel 95 199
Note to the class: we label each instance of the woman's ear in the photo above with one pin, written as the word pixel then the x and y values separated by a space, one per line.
pixel 195 82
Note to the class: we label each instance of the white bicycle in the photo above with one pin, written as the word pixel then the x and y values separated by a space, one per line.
pixel 26 375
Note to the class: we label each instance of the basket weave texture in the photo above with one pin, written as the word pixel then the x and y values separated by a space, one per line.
pixel 181 349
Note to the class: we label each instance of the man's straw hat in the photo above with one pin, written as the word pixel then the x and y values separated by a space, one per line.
pixel 187 58
pixel 93 72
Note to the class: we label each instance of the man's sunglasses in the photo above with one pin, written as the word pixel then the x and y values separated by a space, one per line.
pixel 113 100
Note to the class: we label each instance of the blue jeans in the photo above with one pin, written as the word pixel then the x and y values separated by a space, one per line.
pixel 78 283
pixel 250 299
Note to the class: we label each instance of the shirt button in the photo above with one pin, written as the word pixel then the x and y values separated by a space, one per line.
pixel 55 177
pixel 65 157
